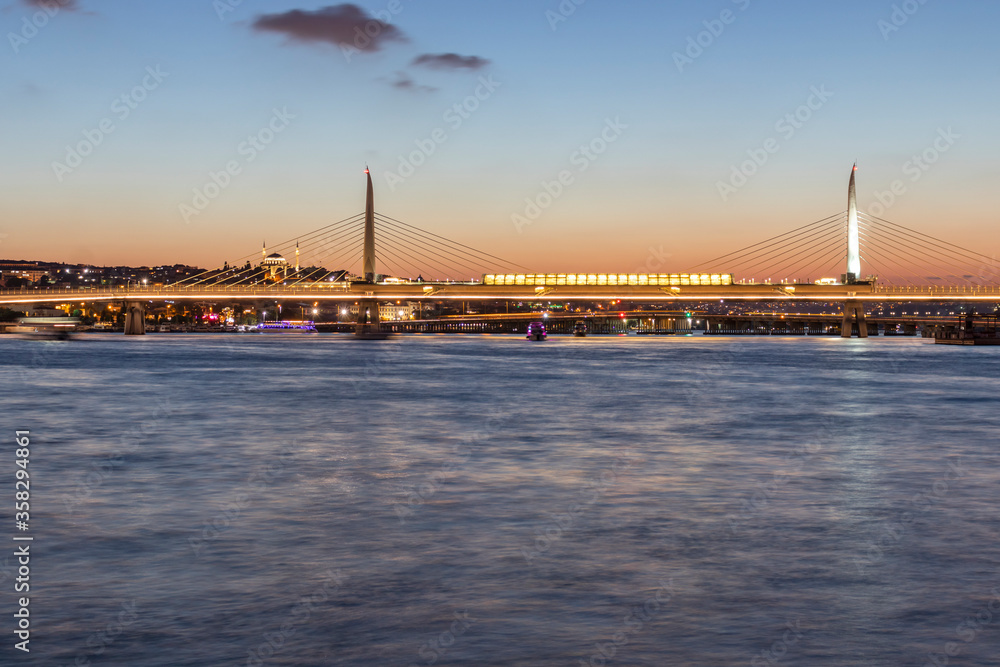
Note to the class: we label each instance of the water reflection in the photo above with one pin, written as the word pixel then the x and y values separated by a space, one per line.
pixel 217 482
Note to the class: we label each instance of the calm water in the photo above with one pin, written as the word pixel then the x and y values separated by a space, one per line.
pixel 217 500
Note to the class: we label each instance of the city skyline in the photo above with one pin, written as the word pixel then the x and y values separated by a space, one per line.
pixel 211 126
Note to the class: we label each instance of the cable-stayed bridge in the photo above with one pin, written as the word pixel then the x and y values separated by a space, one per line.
pixel 390 260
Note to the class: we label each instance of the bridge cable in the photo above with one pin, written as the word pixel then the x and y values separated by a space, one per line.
pixel 824 234
pixel 904 244
pixel 345 250
pixel 797 239
pixel 380 249
pixel 431 246
pixel 415 264
pixel 978 256
pixel 902 266
pixel 935 260
pixel 829 242
pixel 837 252
pixel 348 237
pixel 419 245
pixel 503 262
pixel 251 256
pixel 714 262
pixel 253 271
pixel 795 265
pixel 396 232
pixel 870 253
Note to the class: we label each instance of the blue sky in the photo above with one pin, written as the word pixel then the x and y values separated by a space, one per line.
pixel 657 185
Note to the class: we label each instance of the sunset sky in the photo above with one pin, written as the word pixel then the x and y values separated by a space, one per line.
pixel 672 117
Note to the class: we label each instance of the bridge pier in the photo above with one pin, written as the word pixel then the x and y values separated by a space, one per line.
pixel 854 310
pixel 368 326
pixel 135 318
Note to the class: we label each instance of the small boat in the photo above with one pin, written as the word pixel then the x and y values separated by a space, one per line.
pixel 580 329
pixel 536 331
pixel 286 326
pixel 47 328
pixel 971 329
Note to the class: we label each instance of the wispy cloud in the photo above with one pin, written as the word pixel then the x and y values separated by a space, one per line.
pixel 71 5
pixel 344 25
pixel 405 82
pixel 450 61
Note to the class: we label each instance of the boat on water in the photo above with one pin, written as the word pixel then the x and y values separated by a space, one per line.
pixel 580 329
pixel 971 329
pixel 285 327
pixel 46 328
pixel 536 331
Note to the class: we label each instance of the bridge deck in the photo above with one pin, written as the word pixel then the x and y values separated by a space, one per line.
pixel 479 291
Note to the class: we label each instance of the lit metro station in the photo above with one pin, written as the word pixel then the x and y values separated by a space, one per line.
pixel 589 279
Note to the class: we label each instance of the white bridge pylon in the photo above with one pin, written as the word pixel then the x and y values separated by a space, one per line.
pixel 368 270
pixel 853 240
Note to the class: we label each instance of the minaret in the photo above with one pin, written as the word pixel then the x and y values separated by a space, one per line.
pixel 296 256
pixel 853 244
pixel 263 252
pixel 369 253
